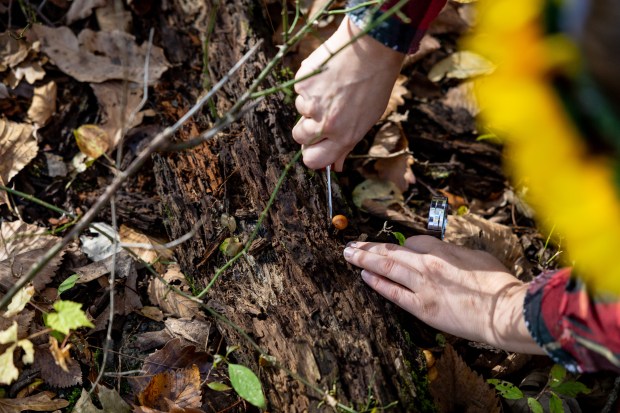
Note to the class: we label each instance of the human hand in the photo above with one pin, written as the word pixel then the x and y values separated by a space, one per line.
pixel 341 103
pixel 463 292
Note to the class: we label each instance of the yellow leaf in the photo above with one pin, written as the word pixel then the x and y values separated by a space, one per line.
pixel 9 335
pixel 28 348
pixel 92 140
pixel 18 147
pixel 8 371
pixel 60 354
pixel 20 300
pixel 461 65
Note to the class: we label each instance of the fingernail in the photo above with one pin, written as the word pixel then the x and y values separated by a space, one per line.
pixel 365 275
pixel 348 252
pixel 352 244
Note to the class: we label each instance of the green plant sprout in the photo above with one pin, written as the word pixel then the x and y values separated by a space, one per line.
pixel 558 384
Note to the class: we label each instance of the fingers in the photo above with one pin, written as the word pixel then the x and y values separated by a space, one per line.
pixel 387 260
pixel 324 153
pixel 401 296
pixel 424 244
pixel 305 107
pixel 307 131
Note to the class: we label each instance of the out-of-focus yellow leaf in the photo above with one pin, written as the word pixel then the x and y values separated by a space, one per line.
pixel 92 140
pixel 461 65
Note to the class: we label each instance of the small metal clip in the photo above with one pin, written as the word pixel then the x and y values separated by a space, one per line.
pixel 438 216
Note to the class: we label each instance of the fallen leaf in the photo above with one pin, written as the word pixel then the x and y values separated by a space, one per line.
pixel 428 45
pixel 54 375
pixel 111 402
pixel 110 96
pixel 21 245
pixel 459 388
pixel 19 301
pixel 455 201
pixel 196 332
pixel 81 9
pixel 92 140
pixel 462 96
pixel 397 97
pixel 95 57
pixel 383 192
pixel 110 19
pixel 475 232
pixel 61 355
pixel 43 104
pixel 172 356
pixel 151 312
pixel 449 21
pixel 169 301
pixel 396 170
pixel 30 70
pixel 181 386
pixel 131 236
pixel 461 65
pixel 18 147
pixel 8 371
pixel 12 51
pixel 41 402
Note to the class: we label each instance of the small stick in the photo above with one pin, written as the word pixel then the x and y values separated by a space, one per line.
pixel 329 191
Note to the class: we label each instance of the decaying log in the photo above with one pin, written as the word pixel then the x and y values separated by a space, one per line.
pixel 294 294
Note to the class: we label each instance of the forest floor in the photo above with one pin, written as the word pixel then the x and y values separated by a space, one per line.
pixel 427 144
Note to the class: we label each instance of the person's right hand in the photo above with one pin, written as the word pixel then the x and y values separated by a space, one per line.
pixel 340 104
pixel 463 292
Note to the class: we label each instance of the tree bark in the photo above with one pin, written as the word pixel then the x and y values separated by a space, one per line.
pixel 293 294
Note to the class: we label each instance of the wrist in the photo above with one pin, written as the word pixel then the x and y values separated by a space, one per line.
pixel 508 329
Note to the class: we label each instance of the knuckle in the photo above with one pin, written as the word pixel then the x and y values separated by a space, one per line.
pixel 386 266
pixel 433 264
pixel 395 294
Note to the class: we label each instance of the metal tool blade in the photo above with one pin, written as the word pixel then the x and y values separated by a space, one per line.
pixel 329 191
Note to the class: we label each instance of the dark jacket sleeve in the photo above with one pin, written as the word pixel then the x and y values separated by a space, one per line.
pixel 400 31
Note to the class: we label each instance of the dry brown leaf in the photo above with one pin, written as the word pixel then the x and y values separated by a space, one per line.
pixel 461 65
pixel 475 232
pixel 109 19
pixel 30 70
pixel 397 97
pixel 43 103
pixel 181 386
pixel 131 236
pixel 111 402
pixel 462 96
pixel 60 355
pixel 459 388
pixel 172 356
pixel 169 301
pixel 110 98
pixel 397 170
pixel 382 192
pixel 81 9
pixel 18 146
pixel 41 402
pixel 428 45
pixel 449 21
pixel 389 139
pixel 21 245
pixel 98 56
pixel 12 51
pixel 455 201
pixel 151 312
pixel 52 373
pixel 194 331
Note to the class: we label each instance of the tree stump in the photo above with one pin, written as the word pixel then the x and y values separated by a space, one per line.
pixel 293 294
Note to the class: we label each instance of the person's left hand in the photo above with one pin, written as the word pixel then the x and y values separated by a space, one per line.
pixel 463 292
